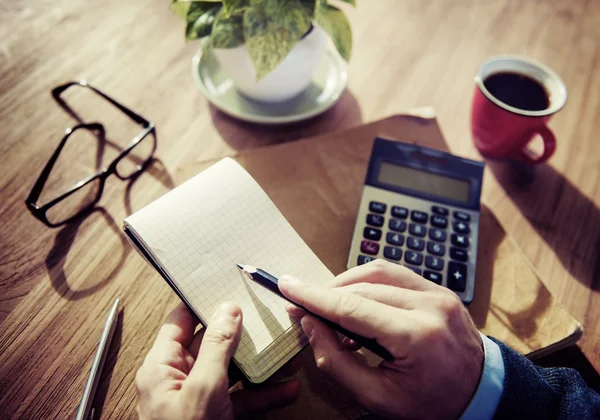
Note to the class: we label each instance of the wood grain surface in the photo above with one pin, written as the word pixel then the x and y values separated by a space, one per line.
pixel 56 285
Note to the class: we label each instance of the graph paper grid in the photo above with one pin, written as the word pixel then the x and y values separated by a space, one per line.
pixel 201 229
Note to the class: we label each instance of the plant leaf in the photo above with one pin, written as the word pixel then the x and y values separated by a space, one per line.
pixel 271 30
pixel 202 26
pixel 352 2
pixel 310 6
pixel 234 6
pixel 227 32
pixel 334 22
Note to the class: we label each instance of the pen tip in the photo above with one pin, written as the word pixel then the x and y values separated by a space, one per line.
pixel 240 266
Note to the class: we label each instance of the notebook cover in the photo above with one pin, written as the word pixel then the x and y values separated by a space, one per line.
pixel 316 184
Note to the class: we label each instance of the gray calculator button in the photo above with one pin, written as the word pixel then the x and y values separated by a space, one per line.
pixel 436 249
pixel 362 259
pixel 417 230
pixel 377 207
pixel 457 276
pixel 433 276
pixel 415 243
pixel 374 220
pixel 434 263
pixel 460 240
pixel 397 225
pixel 394 238
pixel 437 235
pixel 399 212
pixel 372 234
pixel 461 227
pixel 392 253
pixel 413 258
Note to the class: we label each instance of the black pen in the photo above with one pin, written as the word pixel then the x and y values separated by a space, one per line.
pixel 272 283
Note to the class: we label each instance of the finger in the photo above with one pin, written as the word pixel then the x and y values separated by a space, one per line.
pixel 179 326
pixel 194 346
pixel 389 295
pixel 294 311
pixel 349 344
pixel 356 376
pixel 252 401
pixel 383 272
pixel 218 344
pixel 353 312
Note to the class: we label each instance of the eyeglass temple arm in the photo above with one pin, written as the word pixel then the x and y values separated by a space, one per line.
pixel 36 191
pixel 57 91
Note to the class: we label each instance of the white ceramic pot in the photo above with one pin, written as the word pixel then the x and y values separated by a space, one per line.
pixel 289 79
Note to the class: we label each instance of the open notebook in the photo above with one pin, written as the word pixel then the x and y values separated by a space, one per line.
pixel 194 236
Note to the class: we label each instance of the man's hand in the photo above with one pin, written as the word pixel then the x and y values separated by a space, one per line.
pixel 184 376
pixel 438 351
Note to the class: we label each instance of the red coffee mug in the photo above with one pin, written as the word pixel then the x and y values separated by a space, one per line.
pixel 503 131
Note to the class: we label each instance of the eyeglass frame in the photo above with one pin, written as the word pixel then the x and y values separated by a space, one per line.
pixel 39 211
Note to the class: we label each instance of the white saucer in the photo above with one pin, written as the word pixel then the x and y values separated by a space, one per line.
pixel 328 84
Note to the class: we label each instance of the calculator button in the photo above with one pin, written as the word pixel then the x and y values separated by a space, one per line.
pixel 457 276
pixel 392 253
pixel 399 212
pixel 415 243
pixel 368 247
pixel 375 220
pixel 436 249
pixel 461 227
pixel 442 211
pixel 439 221
pixel 372 234
pixel 397 225
pixel 459 240
pixel 377 207
pixel 461 215
pixel 417 230
pixel 459 254
pixel 413 258
pixel 415 269
pixel 433 276
pixel 363 259
pixel 418 216
pixel 394 239
pixel 434 263
pixel 437 235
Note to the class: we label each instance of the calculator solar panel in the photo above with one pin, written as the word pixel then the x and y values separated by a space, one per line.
pixel 420 208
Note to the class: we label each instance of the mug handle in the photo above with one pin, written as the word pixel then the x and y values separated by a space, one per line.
pixel 549 145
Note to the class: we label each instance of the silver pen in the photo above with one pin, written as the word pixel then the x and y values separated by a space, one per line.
pixel 85 410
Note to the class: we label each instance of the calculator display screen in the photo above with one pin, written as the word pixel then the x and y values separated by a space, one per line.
pixel 423 181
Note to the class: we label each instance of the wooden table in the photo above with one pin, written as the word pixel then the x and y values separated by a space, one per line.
pixel 56 285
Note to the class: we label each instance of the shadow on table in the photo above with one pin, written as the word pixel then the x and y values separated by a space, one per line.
pixel 63 241
pixel 242 135
pixel 109 367
pixel 491 235
pixel 156 168
pixel 567 220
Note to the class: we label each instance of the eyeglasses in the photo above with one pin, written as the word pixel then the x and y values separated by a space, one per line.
pixel 80 199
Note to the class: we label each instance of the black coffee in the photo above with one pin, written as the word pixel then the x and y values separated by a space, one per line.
pixel 518 91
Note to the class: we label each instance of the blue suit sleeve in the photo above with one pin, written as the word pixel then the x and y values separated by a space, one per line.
pixel 533 392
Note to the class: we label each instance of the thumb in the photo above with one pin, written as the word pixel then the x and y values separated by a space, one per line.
pixel 219 343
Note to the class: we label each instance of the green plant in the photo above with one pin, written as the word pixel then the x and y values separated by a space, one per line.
pixel 269 28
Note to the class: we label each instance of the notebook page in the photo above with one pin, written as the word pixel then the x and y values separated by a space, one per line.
pixel 200 230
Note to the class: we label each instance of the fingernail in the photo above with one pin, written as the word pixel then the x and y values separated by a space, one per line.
pixel 228 309
pixel 288 281
pixel 308 327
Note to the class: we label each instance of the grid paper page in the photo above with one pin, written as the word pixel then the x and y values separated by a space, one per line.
pixel 200 230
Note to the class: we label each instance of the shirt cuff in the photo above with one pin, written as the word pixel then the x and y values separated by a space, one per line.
pixel 485 401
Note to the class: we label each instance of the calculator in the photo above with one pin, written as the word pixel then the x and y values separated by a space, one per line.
pixel 420 208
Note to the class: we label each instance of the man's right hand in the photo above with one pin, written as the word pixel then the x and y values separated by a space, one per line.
pixel 438 351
